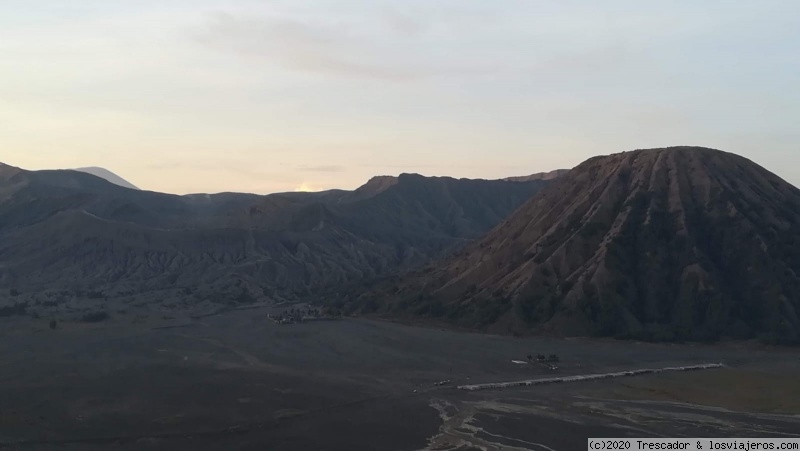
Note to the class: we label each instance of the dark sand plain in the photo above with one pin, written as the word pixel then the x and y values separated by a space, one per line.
pixel 237 381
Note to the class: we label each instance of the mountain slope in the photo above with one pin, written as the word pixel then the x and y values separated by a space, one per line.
pixel 107 175
pixel 416 206
pixel 552 175
pixel 73 231
pixel 678 243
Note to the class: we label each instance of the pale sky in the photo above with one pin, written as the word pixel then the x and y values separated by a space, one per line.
pixel 262 96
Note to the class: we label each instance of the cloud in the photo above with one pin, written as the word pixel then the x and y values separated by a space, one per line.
pixel 437 166
pixel 302 45
pixel 322 168
pixel 402 23
pixel 220 166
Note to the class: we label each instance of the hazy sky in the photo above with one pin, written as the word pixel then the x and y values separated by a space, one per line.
pixel 262 96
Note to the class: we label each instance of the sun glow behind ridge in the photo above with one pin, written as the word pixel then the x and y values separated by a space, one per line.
pixel 305 187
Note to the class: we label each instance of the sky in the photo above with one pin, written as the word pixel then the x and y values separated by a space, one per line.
pixel 186 96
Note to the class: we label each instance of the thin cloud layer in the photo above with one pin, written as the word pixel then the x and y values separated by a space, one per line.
pixel 322 168
pixel 303 45
pixel 243 95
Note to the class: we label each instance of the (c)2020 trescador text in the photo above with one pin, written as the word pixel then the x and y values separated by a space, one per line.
pixel 693 444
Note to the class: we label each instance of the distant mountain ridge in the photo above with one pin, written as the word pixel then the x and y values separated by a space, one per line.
pixel 552 175
pixel 663 244
pixel 71 231
pixel 107 175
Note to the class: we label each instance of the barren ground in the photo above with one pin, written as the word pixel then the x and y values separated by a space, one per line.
pixel 237 381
